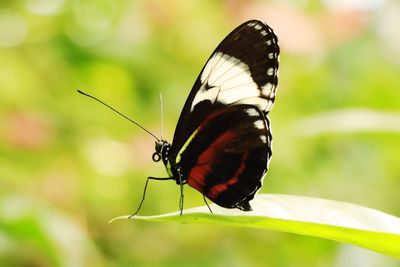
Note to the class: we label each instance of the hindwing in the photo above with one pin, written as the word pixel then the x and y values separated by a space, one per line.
pixel 227 155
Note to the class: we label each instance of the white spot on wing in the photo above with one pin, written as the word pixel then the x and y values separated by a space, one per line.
pixel 258 27
pixel 270 71
pixel 263 139
pixel 252 112
pixel 271 55
pixel 267 89
pixel 259 124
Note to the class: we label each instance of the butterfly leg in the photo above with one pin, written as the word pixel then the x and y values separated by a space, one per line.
pixel 144 192
pixel 182 196
pixel 181 200
pixel 208 206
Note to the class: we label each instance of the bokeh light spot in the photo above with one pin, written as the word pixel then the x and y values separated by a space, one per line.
pixel 13 29
pixel 108 157
pixel 91 22
pixel 44 7
pixel 360 5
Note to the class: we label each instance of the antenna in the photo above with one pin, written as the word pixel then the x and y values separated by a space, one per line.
pixel 119 113
pixel 162 116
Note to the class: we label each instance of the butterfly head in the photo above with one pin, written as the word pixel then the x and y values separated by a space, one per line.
pixel 162 151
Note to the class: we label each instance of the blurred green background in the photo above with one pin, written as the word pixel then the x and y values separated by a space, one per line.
pixel 68 165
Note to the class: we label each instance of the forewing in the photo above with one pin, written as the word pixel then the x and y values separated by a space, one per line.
pixel 243 69
pixel 227 155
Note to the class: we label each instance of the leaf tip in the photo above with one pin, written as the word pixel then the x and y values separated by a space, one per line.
pixel 120 218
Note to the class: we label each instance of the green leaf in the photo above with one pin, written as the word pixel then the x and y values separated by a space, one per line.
pixel 334 220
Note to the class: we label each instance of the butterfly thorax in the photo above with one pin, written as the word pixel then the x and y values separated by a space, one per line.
pixel 163 152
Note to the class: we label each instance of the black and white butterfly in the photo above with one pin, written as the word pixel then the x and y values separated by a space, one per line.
pixel 222 143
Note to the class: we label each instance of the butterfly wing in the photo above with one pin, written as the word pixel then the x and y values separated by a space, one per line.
pixel 228 154
pixel 243 69
pixel 222 142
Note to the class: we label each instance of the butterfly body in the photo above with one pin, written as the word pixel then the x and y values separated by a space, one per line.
pixel 222 143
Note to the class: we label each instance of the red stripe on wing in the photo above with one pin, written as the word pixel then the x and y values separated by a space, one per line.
pixel 206 159
pixel 219 188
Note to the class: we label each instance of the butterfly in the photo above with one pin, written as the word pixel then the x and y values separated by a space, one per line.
pixel 222 142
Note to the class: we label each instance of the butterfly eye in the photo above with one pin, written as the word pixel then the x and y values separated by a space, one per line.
pixel 156 157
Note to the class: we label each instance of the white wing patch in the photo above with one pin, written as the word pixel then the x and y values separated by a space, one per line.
pixel 204 94
pixel 263 139
pixel 262 103
pixel 220 66
pixel 259 124
pixel 252 112
pixel 267 89
pixel 228 80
